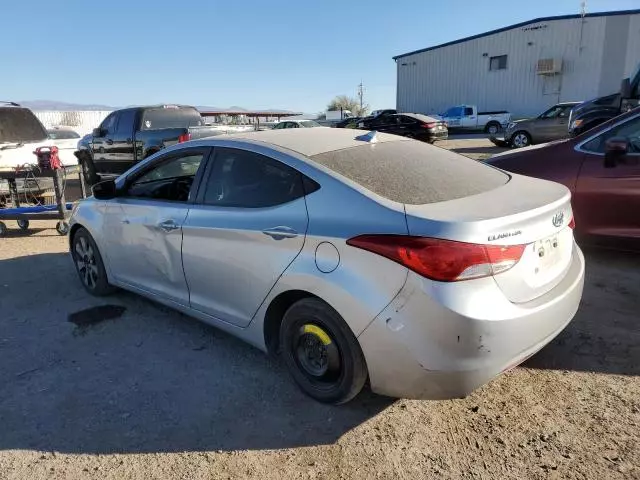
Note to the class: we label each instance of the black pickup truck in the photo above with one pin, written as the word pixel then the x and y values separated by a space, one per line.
pixel 130 135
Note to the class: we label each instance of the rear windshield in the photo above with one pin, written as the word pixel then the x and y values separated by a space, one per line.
pixel 172 117
pixel 413 172
pixel 20 125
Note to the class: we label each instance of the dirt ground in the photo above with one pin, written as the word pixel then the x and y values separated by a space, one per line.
pixel 151 394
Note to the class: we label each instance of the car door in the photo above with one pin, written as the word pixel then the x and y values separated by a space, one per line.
pixel 547 125
pixel 143 225
pixel 469 118
pixel 122 147
pixel 607 198
pixel 248 225
pixel 561 127
pixel 102 144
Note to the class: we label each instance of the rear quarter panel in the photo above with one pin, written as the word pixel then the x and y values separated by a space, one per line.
pixel 557 162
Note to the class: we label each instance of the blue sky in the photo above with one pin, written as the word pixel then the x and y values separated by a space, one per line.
pixel 256 54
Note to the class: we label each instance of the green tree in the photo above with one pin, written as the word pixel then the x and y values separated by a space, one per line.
pixel 348 103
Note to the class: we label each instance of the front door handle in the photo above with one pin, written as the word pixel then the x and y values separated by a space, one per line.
pixel 278 233
pixel 168 226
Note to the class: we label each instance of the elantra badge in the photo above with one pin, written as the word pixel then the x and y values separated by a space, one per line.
pixel 557 219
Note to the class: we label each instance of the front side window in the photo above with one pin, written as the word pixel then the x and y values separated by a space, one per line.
pixel 170 180
pixel 629 130
pixel 498 63
pixel 125 122
pixel 108 124
pixel 453 112
pixel 249 180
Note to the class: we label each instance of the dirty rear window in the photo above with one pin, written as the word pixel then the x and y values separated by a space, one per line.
pixel 20 125
pixel 413 172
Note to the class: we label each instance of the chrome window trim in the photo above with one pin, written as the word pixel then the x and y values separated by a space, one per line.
pixel 578 147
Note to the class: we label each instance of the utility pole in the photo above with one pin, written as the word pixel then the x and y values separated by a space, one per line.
pixel 360 95
pixel 583 8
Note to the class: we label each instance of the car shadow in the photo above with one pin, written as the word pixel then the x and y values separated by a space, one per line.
pixel 604 336
pixel 122 374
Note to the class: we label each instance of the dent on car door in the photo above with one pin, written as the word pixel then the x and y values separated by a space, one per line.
pixel 143 226
pixel 607 198
pixel 248 225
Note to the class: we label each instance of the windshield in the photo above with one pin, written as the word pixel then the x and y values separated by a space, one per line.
pixel 173 117
pixel 19 125
pixel 412 172
pixel 62 134
pixel 309 124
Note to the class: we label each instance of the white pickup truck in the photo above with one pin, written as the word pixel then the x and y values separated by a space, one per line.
pixel 21 133
pixel 467 117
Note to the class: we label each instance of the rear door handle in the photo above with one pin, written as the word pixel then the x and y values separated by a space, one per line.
pixel 168 226
pixel 278 233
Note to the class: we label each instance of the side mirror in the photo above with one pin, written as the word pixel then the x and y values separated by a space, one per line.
pixel 105 190
pixel 625 88
pixel 97 132
pixel 614 150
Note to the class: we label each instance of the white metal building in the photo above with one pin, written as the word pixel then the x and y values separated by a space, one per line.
pixel 523 68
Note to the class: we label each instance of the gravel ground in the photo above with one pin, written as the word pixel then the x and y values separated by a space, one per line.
pixel 152 394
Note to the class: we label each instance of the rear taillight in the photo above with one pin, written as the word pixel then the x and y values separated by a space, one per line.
pixel 442 260
pixel 572 223
pixel 185 137
pixel 428 125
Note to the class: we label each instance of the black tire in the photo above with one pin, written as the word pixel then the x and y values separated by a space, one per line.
pixel 23 224
pixel 520 139
pixel 91 177
pixel 341 371
pixel 89 265
pixel 3 229
pixel 492 128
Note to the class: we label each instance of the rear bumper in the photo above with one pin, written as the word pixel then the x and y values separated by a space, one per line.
pixel 441 341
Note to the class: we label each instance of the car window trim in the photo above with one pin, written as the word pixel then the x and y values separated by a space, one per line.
pixel 579 146
pixel 197 179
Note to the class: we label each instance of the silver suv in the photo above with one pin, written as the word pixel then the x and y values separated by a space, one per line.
pixel 546 127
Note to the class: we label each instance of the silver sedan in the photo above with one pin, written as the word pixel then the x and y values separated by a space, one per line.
pixel 355 256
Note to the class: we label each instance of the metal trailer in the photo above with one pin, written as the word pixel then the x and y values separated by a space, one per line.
pixel 58 211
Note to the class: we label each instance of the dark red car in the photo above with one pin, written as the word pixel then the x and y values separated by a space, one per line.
pixel 601 167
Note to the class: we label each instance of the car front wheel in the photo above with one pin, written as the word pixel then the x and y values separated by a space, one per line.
pixel 321 352
pixel 89 265
pixel 521 139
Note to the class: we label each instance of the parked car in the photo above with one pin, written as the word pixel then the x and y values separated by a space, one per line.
pixel 548 126
pixel 467 117
pixel 130 135
pixel 601 167
pixel 411 125
pixel 423 271
pixel 62 133
pixel 296 124
pixel 21 133
pixel 589 114
pixel 351 122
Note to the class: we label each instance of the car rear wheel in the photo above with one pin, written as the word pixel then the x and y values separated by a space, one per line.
pixel 89 265
pixel 521 139
pixel 321 352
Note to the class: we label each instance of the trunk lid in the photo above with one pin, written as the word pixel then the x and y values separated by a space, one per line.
pixel 524 211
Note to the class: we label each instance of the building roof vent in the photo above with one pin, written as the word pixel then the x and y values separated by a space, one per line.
pixel 549 66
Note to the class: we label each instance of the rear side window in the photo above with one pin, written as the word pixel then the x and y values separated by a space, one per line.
pixel 172 117
pixel 249 180
pixel 20 125
pixel 413 172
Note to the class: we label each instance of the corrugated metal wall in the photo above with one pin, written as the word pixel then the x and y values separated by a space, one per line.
pixel 81 121
pixel 430 82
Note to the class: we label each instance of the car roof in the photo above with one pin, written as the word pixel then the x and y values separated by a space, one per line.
pixel 418 116
pixel 311 141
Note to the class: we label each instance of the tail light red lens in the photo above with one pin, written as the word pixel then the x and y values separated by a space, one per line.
pixel 572 223
pixel 184 138
pixel 442 260
pixel 428 125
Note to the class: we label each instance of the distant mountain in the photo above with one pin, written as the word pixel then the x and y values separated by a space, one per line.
pixel 53 105
pixel 66 106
